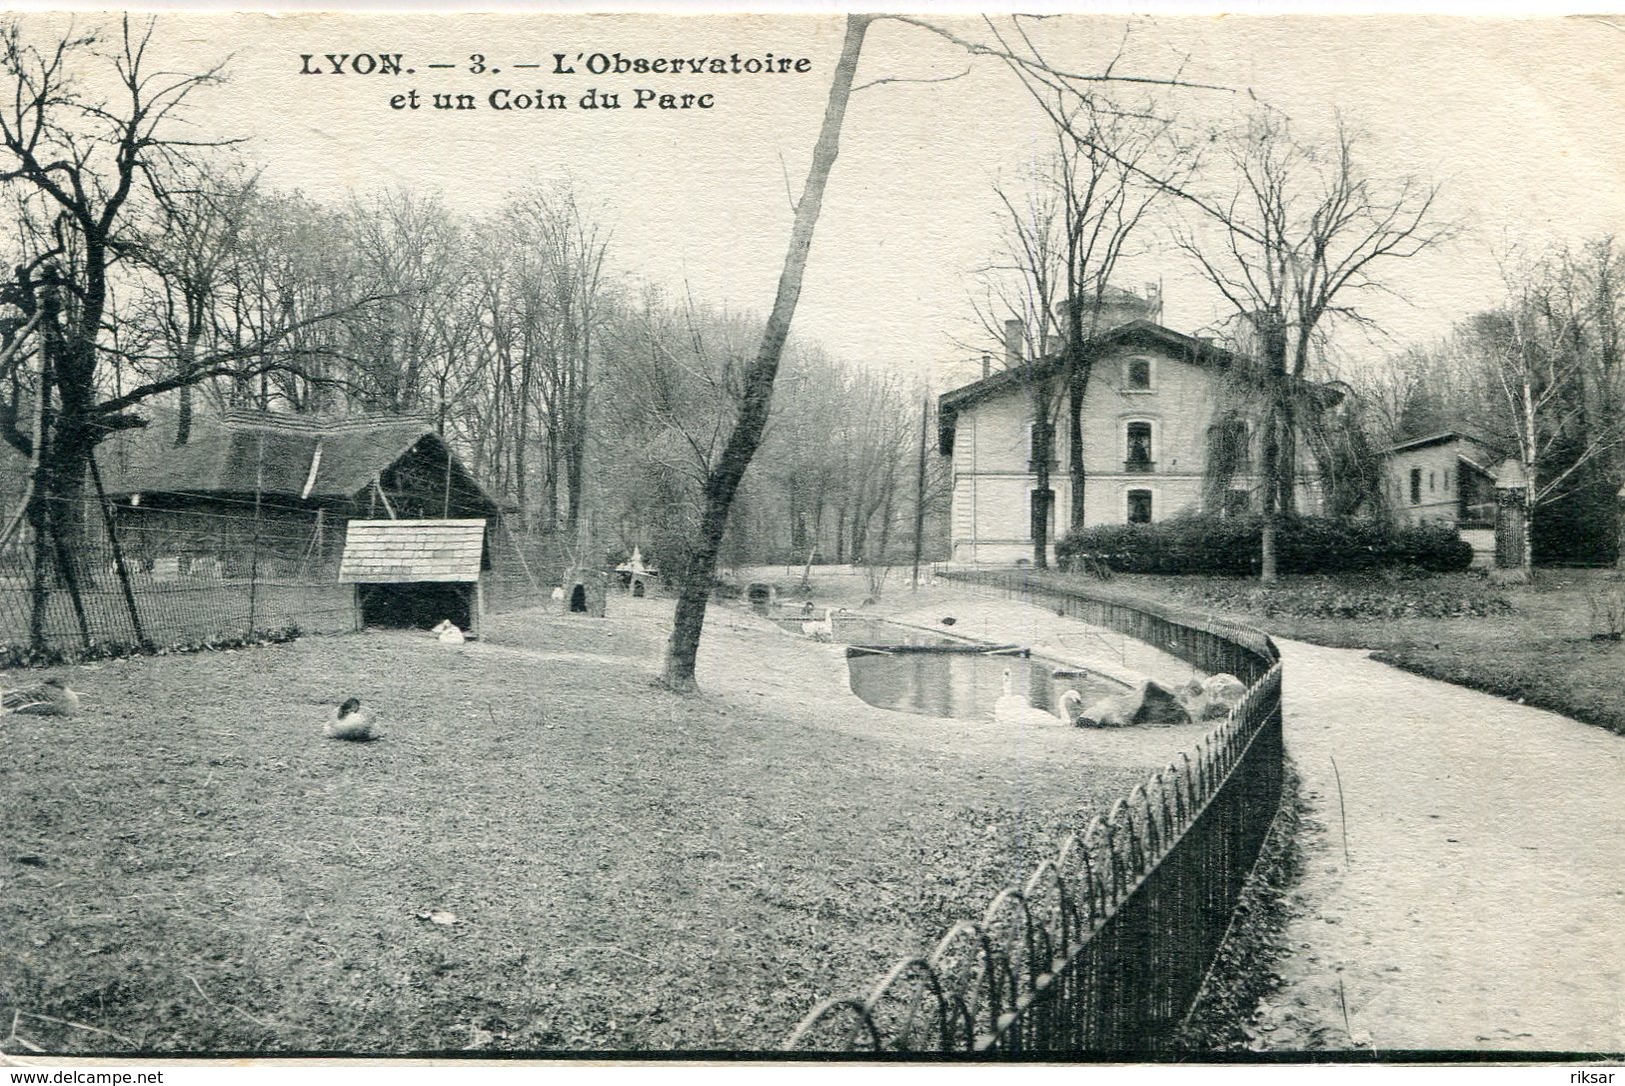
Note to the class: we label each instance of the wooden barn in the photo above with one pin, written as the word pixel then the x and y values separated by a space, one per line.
pixel 274 492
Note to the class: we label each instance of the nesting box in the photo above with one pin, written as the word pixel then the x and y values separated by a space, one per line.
pixel 585 591
pixel 415 573
pixel 763 597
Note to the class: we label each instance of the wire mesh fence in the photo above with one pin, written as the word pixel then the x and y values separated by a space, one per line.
pixel 116 578
pixel 1105 947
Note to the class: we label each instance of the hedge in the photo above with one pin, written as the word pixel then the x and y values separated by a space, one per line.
pixel 1231 545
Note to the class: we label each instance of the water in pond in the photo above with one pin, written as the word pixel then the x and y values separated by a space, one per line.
pixel 965 685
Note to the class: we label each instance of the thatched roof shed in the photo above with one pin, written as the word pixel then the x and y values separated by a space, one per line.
pixel 398 461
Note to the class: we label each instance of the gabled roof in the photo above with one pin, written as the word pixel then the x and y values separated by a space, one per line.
pixel 244 452
pixel 1144 333
pixel 1440 438
pixel 405 551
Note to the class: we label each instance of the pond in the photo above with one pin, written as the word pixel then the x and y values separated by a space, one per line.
pixel 964 683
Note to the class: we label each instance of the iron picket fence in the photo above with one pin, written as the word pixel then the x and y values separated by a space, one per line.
pixel 1105 948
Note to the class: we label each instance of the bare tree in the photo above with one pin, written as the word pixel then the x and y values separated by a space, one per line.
pixel 291 287
pixel 1064 238
pixel 1552 355
pixel 191 239
pixel 411 249
pixel 565 306
pixel 81 170
pixel 1302 234
pixel 1023 291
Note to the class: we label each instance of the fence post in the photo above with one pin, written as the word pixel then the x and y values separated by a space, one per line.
pixel 118 555
pixel 64 561
pixel 254 545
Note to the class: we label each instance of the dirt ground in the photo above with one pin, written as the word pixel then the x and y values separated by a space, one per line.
pixel 544 851
pixel 1464 880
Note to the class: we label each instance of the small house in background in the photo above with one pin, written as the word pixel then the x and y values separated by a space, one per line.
pixel 635 577
pixel 416 573
pixel 1445 478
pixel 585 591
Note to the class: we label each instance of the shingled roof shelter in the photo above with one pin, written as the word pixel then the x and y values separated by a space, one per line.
pixel 416 573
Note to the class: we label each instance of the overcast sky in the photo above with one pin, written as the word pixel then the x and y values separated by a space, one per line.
pixel 1519 119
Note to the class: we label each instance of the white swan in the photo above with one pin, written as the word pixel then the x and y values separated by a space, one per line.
pixel 449 633
pixel 821 631
pixel 1013 708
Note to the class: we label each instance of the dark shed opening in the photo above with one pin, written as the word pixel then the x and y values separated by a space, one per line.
pixel 416 606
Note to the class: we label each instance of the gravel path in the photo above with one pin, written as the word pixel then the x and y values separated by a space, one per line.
pixel 1481 901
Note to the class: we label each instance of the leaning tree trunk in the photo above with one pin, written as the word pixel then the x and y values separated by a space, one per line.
pixel 723 481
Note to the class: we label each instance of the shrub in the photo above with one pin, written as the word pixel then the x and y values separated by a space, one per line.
pixel 1361 597
pixel 1230 545
pixel 21 656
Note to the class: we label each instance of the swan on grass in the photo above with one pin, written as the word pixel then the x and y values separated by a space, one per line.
pixel 53 697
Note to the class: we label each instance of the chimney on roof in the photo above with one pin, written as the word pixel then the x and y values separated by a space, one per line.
pixel 987 365
pixel 1012 343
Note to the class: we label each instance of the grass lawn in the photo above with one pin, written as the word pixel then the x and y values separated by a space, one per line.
pixel 1536 646
pixel 544 852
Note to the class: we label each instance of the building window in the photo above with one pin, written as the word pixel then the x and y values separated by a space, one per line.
pixel 1040 432
pixel 1138 451
pixel 1139 507
pixel 1137 375
pixel 1416 486
pixel 1430 482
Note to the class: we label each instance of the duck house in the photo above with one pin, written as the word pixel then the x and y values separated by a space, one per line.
pixel 416 573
